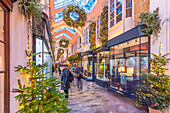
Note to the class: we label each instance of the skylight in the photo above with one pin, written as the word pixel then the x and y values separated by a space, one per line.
pixel 68 29
pixel 87 5
pixel 59 16
pixel 63 34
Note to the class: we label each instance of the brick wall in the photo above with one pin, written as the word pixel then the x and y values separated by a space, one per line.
pixel 139 7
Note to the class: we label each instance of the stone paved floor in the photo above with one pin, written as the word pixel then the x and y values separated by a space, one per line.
pixel 96 99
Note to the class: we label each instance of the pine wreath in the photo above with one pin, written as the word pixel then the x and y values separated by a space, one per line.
pixel 80 19
pixel 62 41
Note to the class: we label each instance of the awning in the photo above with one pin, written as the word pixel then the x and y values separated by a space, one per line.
pixel 86 53
pixel 100 49
pixel 133 33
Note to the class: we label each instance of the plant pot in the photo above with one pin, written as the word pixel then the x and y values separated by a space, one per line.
pixel 151 110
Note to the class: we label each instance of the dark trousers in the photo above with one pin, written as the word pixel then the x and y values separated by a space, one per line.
pixel 79 84
pixel 66 92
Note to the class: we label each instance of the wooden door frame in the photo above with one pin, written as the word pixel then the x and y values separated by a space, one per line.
pixel 6 5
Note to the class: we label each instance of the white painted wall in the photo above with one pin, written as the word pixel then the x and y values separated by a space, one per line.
pixel 164 36
pixel 18 45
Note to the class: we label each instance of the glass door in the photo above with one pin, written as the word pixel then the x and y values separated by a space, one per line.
pixel 2 59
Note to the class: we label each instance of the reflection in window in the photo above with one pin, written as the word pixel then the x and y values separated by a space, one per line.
pixel 127 62
pixel 115 8
pixel 118 11
pixel 128 8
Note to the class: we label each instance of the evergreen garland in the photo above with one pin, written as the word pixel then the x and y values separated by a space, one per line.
pixel 104 26
pixel 64 45
pixel 74 59
pixel 80 21
pixel 92 35
pixel 152 21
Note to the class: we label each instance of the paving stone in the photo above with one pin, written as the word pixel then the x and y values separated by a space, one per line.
pixel 96 99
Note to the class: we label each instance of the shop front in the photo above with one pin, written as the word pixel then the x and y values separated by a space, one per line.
pixel 42 46
pixel 129 57
pixel 101 66
pixel 87 64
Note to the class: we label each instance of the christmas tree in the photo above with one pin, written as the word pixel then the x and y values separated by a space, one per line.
pixel 154 88
pixel 42 94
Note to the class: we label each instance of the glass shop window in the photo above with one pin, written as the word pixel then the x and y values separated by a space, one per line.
pixel 103 66
pixel 127 63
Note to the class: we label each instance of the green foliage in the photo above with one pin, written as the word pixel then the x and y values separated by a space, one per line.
pixel 154 89
pixel 92 35
pixel 80 22
pixel 42 95
pixel 65 41
pixel 30 8
pixel 74 59
pixel 104 26
pixel 152 21
pixel 59 53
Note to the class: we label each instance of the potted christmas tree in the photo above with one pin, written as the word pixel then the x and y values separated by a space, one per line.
pixel 41 95
pixel 154 88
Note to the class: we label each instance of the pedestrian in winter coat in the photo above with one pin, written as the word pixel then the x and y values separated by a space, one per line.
pixel 65 78
pixel 79 71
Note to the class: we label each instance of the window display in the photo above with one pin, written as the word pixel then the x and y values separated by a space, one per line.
pixel 87 66
pixel 127 62
pixel 39 49
pixel 103 66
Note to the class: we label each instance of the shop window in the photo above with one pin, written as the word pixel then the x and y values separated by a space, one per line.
pixel 127 63
pixel 103 66
pixel 87 66
pixel 115 12
pixel 128 8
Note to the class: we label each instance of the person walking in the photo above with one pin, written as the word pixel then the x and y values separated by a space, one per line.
pixel 66 78
pixel 79 71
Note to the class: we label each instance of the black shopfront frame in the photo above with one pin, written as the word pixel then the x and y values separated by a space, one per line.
pixel 134 33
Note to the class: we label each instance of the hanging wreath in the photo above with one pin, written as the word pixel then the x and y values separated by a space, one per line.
pixel 74 16
pixel 60 52
pixel 64 43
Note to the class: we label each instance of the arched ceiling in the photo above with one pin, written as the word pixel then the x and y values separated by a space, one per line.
pixel 61 30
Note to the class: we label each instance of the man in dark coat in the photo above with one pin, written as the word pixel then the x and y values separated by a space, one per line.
pixel 66 74
pixel 79 71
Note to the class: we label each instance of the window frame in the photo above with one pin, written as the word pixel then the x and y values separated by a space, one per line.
pixel 128 8
pixel 6 43
pixel 114 12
